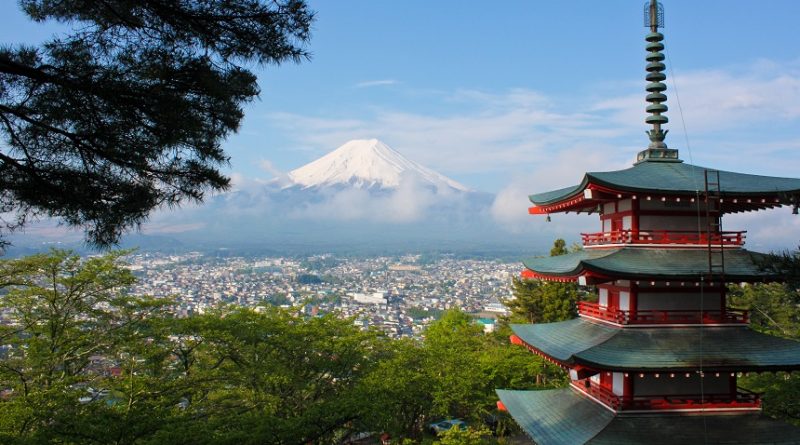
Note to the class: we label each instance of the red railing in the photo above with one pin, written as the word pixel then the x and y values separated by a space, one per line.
pixel 728 316
pixel 663 237
pixel 742 399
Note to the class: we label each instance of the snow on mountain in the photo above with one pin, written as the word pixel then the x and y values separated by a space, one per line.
pixel 367 163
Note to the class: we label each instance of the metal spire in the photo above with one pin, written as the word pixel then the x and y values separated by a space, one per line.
pixel 657 150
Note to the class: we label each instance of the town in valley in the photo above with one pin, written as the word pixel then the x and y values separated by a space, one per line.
pixel 398 295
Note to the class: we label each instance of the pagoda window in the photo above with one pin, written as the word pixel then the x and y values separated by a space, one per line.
pixel 618 386
pixel 624 301
pixel 678 301
pixel 688 223
pixel 627 222
pixel 679 384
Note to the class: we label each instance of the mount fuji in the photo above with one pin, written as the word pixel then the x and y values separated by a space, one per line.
pixel 363 196
pixel 368 164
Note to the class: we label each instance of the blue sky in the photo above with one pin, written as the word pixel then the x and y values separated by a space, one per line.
pixel 522 96
pixel 419 74
pixel 570 74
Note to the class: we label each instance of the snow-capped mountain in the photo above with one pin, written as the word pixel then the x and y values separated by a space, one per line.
pixel 367 163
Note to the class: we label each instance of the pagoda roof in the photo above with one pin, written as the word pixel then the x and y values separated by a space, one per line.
pixel 582 342
pixel 565 417
pixel 673 179
pixel 647 263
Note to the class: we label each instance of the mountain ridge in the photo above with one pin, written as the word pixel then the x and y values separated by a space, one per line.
pixel 367 163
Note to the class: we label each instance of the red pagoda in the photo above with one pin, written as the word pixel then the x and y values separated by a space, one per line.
pixel 657 358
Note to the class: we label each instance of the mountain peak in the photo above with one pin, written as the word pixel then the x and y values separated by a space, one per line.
pixel 367 163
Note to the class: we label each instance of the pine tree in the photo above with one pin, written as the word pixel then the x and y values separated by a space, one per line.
pixel 128 112
pixel 538 301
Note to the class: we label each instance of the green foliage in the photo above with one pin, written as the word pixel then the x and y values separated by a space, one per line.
pixel 559 248
pixel 307 278
pixel 128 110
pixel 469 436
pixel 69 315
pixel 87 363
pixel 773 310
pixel 773 307
pixel 785 265
pixel 320 264
pixel 272 377
pixel 84 362
pixel 537 301
pixel 453 347
pixel 401 391
pixel 453 373
pixel 780 394
pixel 279 299
pixel 418 313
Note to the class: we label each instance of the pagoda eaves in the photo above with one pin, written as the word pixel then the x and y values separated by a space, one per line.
pixel 676 264
pixel 575 419
pixel 673 181
pixel 580 342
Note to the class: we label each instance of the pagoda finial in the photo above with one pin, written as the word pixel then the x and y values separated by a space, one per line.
pixel 657 150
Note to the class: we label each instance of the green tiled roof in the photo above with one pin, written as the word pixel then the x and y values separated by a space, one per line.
pixel 564 417
pixel 556 416
pixel 673 177
pixel 649 263
pixel 580 341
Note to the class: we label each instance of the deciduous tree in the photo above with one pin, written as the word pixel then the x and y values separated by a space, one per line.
pixel 78 362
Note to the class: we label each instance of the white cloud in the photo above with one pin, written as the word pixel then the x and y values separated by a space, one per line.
pixel 267 166
pixel 408 203
pixel 503 132
pixel 376 83
pixel 715 99
pixel 542 142
pixel 489 140
pixel 771 230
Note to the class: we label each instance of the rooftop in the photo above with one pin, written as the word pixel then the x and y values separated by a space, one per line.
pixel 739 191
pixel 599 346
pixel 648 263
pixel 562 416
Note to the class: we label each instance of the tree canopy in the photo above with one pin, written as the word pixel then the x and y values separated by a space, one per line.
pixel 539 301
pixel 128 111
pixel 83 361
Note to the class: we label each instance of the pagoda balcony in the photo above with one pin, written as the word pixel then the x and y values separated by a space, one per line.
pixel 664 317
pixel 742 400
pixel 663 238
